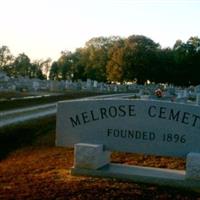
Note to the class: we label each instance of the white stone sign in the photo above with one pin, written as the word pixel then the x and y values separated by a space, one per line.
pixel 96 127
pixel 143 126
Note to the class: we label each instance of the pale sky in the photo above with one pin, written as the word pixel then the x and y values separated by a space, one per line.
pixel 43 28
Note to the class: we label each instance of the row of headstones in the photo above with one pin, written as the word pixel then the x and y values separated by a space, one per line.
pixel 174 94
pixel 27 84
pixel 169 91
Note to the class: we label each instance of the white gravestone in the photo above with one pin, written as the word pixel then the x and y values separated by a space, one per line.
pixel 95 83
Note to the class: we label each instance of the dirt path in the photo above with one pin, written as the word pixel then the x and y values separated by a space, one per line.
pixel 44 173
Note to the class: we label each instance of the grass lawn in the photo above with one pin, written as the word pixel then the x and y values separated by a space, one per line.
pixel 32 167
pixel 20 103
pixel 27 134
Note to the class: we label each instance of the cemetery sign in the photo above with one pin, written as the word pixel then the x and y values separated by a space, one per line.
pixel 142 126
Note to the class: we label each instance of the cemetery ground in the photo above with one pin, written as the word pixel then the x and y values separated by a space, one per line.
pixel 14 100
pixel 31 167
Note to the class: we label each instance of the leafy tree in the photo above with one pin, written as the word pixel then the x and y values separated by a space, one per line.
pixel 164 67
pixel 37 70
pixel 128 59
pixel 78 65
pixel 65 63
pixel 193 60
pixel 96 51
pixel 6 59
pixel 141 53
pixel 132 59
pixel 22 66
pixel 115 65
pixel 187 60
pixel 45 66
pixel 53 75
pixel 180 59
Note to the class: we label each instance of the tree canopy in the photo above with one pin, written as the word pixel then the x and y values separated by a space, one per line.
pixel 115 59
pixel 20 65
pixel 136 58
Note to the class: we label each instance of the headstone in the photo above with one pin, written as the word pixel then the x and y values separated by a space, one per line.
pixel 3 77
pixel 54 86
pixel 101 87
pixel 171 91
pixel 185 93
pixel 197 89
pixel 115 88
pixel 182 96
pixel 198 99
pixel 89 83
pixel 36 85
pixel 95 84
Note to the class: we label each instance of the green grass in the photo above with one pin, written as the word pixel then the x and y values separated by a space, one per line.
pixel 9 95
pixel 20 103
pixel 40 132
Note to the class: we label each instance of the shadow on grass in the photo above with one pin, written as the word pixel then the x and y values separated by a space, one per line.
pixel 40 132
pixel 21 103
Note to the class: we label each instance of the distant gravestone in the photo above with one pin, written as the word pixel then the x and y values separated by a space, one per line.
pixel 171 91
pixel 3 77
pixel 197 89
pixel 36 85
pixel 198 99
pixel 89 83
pixel 96 127
pixel 95 83
pixel 54 85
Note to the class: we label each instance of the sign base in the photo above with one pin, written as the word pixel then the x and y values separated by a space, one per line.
pixel 158 176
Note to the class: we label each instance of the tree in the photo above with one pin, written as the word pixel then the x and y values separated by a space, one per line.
pixel 193 60
pixel 22 66
pixel 37 70
pixel 6 59
pixel 96 51
pixel 115 65
pixel 132 59
pixel 45 66
pixel 187 61
pixel 163 70
pixel 78 65
pixel 53 75
pixel 65 65
pixel 128 59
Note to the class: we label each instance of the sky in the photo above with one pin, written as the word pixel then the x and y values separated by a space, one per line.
pixel 43 28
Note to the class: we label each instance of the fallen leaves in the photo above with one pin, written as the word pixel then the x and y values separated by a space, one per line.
pixel 44 173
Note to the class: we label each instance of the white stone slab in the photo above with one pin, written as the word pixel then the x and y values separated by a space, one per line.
pixel 143 126
pixel 164 177
pixel 193 166
pixel 90 156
